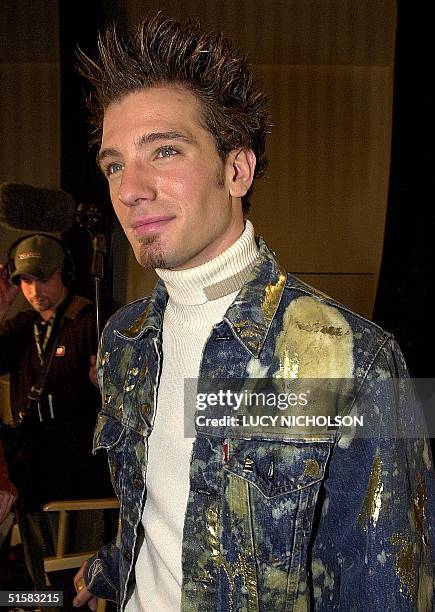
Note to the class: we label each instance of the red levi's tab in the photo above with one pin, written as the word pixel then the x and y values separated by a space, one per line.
pixel 226 449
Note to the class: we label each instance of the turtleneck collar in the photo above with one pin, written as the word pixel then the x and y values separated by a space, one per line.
pixel 216 278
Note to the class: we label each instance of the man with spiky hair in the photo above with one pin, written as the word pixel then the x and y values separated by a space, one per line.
pixel 234 519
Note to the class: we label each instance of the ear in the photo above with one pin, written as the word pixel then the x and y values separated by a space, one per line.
pixel 241 166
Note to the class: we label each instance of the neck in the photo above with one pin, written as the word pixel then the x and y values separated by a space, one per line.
pixel 47 314
pixel 217 278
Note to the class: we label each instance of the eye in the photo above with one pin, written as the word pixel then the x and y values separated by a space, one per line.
pixel 113 168
pixel 166 151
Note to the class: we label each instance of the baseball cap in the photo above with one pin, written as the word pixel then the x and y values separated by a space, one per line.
pixel 37 256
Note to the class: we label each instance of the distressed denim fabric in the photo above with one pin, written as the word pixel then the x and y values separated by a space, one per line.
pixel 329 521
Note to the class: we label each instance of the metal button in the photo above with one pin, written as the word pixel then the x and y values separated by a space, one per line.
pixel 248 465
pixel 138 483
pixel 312 468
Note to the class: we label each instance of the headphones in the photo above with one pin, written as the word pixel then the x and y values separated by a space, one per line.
pixel 68 267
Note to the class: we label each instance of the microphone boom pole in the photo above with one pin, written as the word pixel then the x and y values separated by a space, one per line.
pixel 87 216
pixel 97 273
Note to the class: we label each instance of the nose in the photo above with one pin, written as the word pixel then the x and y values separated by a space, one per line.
pixel 137 184
pixel 37 288
pixel 31 287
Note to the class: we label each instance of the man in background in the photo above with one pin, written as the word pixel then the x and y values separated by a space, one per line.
pixel 47 352
pixel 236 519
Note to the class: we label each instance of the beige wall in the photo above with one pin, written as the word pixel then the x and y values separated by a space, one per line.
pixel 30 100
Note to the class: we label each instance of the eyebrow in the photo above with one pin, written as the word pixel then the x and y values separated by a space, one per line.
pixel 143 141
pixel 104 154
pixel 155 136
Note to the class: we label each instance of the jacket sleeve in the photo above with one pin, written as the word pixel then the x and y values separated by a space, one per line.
pixel 102 573
pixel 102 570
pixel 373 547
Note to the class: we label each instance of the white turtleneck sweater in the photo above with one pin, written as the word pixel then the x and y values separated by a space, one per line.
pixel 198 299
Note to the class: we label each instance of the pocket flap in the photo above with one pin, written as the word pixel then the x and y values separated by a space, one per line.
pixel 276 468
pixel 108 432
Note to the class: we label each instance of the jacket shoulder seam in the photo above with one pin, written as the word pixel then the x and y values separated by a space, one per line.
pixel 311 291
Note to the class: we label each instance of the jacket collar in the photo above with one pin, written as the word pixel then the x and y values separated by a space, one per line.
pixel 253 310
pixel 149 319
pixel 249 316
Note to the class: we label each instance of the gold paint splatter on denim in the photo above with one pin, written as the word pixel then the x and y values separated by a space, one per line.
pixel 276 585
pixel 246 571
pixel 118 533
pixel 405 565
pixel 272 295
pixel 318 569
pixel 419 502
pixel 124 362
pixel 310 336
pixel 105 358
pixel 137 326
pixel 250 332
pixel 312 468
pixel 425 592
pixel 144 371
pixel 204 578
pixel 238 498
pixel 316 326
pixel 129 388
pixel 301 604
pixel 372 502
pixel 288 365
pixel 247 328
pixel 134 371
pixel 213 529
pixel 242 568
pixel 426 457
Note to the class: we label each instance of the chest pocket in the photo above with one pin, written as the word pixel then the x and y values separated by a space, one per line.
pixel 110 436
pixel 281 482
pixel 278 468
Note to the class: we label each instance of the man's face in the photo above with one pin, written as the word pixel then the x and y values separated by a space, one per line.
pixel 44 296
pixel 177 202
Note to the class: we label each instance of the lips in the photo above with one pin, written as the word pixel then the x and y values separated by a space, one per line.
pixel 150 224
pixel 39 303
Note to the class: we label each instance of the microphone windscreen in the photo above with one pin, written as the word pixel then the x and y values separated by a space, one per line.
pixel 34 209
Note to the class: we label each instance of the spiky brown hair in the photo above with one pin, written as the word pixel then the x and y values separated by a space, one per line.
pixel 163 51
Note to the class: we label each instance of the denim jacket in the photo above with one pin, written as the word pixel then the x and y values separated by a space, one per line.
pixel 276 521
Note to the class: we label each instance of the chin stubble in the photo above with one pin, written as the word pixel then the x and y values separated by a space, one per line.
pixel 150 253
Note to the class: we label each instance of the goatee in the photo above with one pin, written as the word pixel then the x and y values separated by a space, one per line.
pixel 150 254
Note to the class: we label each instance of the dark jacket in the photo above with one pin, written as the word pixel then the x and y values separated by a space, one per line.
pixel 54 459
